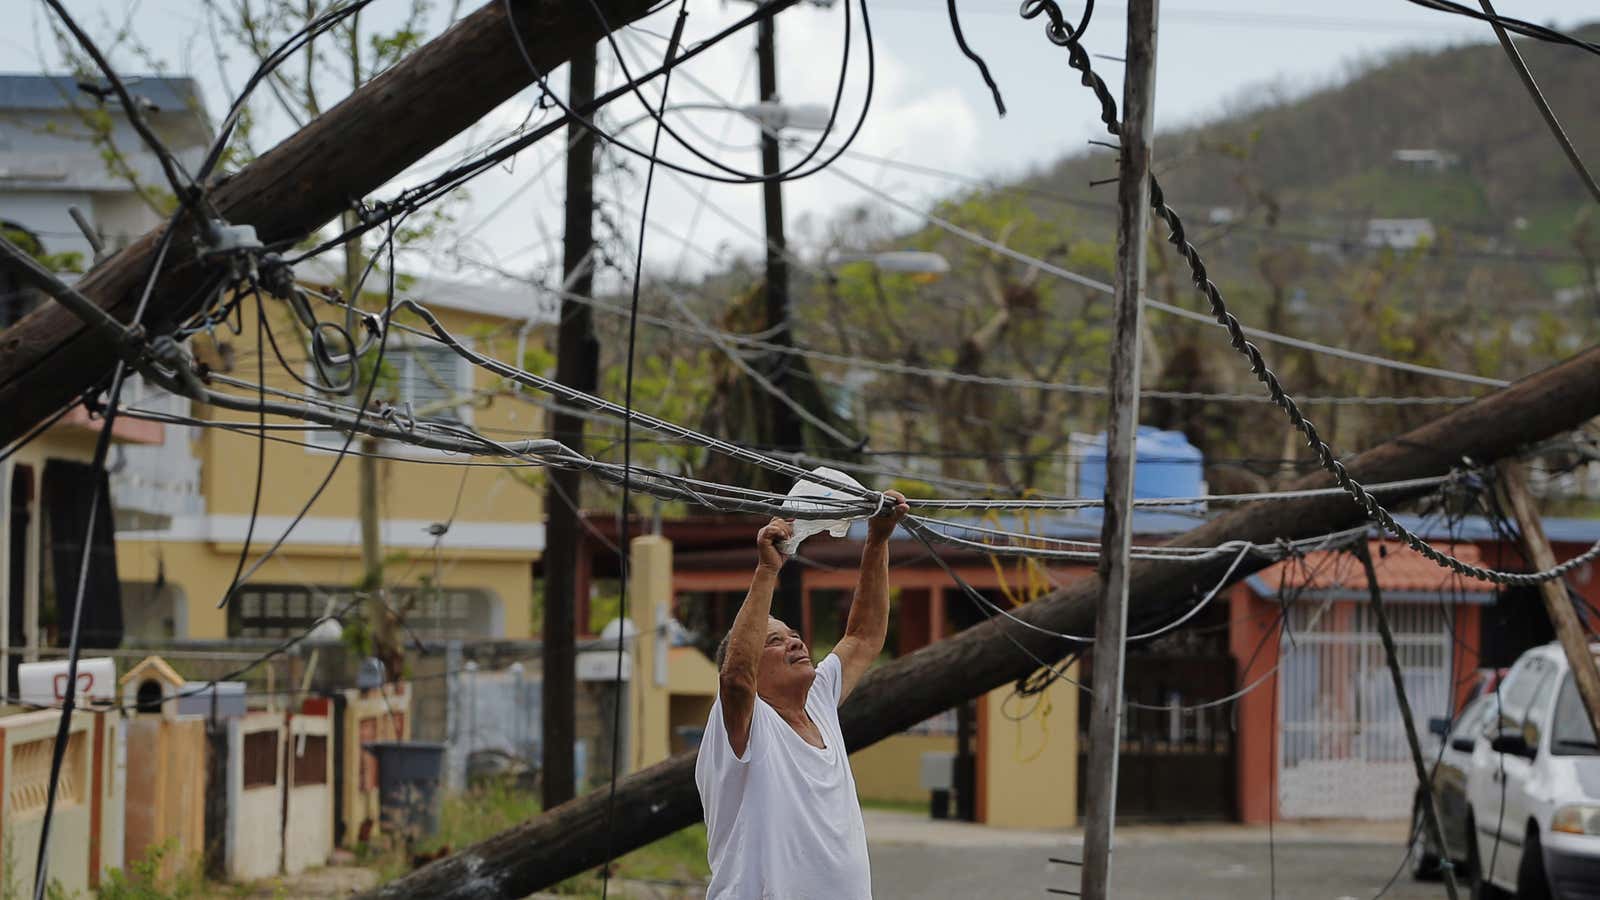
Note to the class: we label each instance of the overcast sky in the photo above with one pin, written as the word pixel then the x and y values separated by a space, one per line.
pixel 929 105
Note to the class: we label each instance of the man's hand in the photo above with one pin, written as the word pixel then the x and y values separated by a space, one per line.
pixel 767 540
pixel 881 526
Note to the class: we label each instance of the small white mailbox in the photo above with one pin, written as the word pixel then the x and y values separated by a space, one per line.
pixel 45 683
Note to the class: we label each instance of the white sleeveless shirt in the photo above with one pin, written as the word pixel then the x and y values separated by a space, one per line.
pixel 783 821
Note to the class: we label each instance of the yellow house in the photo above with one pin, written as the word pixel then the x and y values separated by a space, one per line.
pixel 459 540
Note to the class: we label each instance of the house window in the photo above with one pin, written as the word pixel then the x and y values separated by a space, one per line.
pixel 432 379
pixel 287 610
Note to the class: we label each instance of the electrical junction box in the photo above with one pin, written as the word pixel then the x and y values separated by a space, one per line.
pixel 601 665
pixel 195 699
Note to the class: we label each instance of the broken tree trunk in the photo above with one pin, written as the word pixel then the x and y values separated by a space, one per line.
pixel 384 126
pixel 653 803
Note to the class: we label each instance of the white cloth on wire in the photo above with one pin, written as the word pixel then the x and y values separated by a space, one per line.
pixel 803 496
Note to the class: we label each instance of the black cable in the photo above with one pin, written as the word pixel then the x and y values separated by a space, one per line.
pixel 1539 101
pixel 188 194
pixel 624 555
pixel 361 411
pixel 740 177
pixel 101 482
pixel 1520 26
pixel 414 198
pixel 793 172
pixel 33 433
pixel 277 57
pixel 261 443
pixel 983 67
pixel 315 356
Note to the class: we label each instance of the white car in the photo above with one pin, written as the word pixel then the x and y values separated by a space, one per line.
pixel 1533 788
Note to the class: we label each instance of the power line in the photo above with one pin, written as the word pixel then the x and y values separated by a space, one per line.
pixel 718 336
pixel 1102 287
pixel 1539 100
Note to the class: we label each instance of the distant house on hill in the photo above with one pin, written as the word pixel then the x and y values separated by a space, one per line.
pixel 1399 234
pixel 1426 160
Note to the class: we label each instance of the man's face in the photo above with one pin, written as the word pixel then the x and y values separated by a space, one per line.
pixel 785 659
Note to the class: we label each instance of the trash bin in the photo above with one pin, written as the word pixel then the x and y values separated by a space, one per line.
pixel 409 795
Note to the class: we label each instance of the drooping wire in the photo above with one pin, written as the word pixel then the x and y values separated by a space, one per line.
pixel 1538 99
pixel 624 556
pixel 360 412
pixel 183 185
pixel 261 442
pixel 793 173
pixel 418 196
pixel 1520 26
pixel 983 67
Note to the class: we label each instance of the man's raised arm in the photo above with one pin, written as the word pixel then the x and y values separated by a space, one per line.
pixel 868 625
pixel 737 679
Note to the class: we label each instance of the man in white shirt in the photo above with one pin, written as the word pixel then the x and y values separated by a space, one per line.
pixel 782 818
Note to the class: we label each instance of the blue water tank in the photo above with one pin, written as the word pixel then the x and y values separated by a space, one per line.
pixel 1167 466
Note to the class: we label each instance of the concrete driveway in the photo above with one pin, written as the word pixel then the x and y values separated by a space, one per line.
pixel 915 857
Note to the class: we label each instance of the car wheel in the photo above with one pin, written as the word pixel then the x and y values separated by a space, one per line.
pixel 1481 889
pixel 1531 882
pixel 1424 862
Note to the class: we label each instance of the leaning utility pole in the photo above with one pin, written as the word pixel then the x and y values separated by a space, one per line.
pixel 1564 620
pixel 1116 531
pixel 892 697
pixel 394 119
pixel 577 364
pixel 786 432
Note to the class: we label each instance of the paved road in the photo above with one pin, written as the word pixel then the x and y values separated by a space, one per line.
pixel 1197 871
pixel 913 859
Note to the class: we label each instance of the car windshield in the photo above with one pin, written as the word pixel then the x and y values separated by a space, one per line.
pixel 1573 735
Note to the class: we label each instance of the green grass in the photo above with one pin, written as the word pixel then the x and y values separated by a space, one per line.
pixel 1452 197
pixel 490 809
pixel 906 806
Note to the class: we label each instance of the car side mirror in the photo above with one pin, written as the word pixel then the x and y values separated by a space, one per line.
pixel 1513 743
pixel 1463 744
pixel 1438 726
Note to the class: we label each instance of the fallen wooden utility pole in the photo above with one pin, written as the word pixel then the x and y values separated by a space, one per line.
pixel 1537 554
pixel 453 81
pixel 651 804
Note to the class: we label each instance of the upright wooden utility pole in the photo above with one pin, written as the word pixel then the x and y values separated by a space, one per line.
pixel 786 430
pixel 577 364
pixel 1116 532
pixel 1557 604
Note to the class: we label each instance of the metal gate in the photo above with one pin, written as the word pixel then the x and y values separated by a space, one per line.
pixel 1177 763
pixel 1343 750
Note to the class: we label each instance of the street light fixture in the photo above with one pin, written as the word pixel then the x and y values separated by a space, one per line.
pixel 931 266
